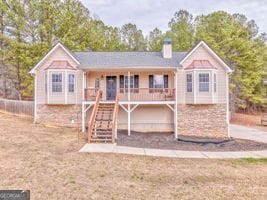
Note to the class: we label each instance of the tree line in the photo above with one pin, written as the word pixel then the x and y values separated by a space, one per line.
pixel 29 28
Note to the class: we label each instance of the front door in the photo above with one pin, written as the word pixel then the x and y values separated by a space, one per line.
pixel 111 86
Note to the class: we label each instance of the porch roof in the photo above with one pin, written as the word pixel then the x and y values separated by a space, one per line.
pixel 128 59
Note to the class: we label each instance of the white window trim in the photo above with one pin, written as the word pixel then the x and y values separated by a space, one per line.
pixel 192 82
pixel 74 83
pixel 204 72
pixel 51 78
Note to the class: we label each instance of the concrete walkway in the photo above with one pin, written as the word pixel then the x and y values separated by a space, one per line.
pixel 236 131
pixel 112 148
pixel 247 133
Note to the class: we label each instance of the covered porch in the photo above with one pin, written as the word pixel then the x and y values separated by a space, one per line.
pixel 144 88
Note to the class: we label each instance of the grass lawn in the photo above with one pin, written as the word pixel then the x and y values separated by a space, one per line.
pixel 46 161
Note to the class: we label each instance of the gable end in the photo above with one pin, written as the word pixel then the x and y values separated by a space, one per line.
pixel 58 45
pixel 202 43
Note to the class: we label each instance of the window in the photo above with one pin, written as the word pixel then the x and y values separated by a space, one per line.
pixel 189 83
pixel 71 82
pixel 215 83
pixel 57 82
pixel 157 82
pixel 134 83
pixel 204 82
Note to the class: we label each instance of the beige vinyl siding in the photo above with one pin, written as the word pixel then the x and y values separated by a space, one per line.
pixel 59 98
pixel 151 118
pixel 181 86
pixel 56 97
pixel 202 97
pixel 189 96
pixel 41 97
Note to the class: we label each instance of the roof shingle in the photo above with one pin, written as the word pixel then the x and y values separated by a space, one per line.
pixel 127 59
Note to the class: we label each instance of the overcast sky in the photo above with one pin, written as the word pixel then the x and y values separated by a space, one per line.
pixel 148 14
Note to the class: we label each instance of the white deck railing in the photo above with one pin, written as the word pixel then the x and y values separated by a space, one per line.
pixel 137 94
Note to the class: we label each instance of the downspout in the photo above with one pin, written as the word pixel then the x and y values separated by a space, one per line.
pixel 176 106
pixel 227 104
pixel 83 104
pixel 35 98
pixel 129 99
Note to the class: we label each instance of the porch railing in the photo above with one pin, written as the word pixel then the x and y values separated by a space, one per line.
pixel 147 94
pixel 114 119
pixel 93 115
pixel 137 94
pixel 90 94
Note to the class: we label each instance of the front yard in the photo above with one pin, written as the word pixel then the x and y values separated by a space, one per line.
pixel 46 161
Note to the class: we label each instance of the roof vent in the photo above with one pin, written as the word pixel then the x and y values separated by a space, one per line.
pixel 167 48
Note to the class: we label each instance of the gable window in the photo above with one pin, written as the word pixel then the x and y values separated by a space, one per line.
pixel 134 83
pixel 204 82
pixel 215 83
pixel 189 83
pixel 56 82
pixel 158 82
pixel 71 82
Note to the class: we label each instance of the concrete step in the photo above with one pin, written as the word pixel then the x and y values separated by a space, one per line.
pixel 102 136
pixel 98 140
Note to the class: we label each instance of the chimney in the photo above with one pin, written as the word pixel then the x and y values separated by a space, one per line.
pixel 167 48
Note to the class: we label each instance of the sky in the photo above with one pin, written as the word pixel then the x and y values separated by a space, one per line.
pixel 148 14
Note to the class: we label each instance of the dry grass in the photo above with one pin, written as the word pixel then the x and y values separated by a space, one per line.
pixel 45 160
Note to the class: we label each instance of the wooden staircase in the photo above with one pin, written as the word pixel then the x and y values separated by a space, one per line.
pixel 102 126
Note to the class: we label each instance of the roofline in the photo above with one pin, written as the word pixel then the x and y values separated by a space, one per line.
pixel 127 67
pixel 127 51
pixel 228 69
pixel 59 44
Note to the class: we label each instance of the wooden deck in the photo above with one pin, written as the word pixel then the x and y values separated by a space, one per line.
pixel 136 94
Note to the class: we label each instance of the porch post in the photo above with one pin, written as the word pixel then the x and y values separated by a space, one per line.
pixel 176 107
pixel 83 117
pixel 83 104
pixel 129 109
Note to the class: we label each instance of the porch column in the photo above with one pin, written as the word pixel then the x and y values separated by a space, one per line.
pixel 83 105
pixel 176 106
pixel 129 108
pixel 83 117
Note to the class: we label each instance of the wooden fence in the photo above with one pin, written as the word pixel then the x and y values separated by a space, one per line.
pixel 20 108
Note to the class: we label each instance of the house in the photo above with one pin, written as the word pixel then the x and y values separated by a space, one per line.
pixel 178 91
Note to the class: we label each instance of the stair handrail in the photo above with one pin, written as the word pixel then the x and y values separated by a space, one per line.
pixel 114 119
pixel 93 115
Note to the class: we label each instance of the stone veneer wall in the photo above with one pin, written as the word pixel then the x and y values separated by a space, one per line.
pixel 202 120
pixel 60 115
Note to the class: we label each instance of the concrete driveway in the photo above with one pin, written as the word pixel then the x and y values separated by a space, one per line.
pixel 247 133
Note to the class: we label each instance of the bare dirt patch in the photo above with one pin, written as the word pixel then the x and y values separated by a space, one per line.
pixel 46 161
pixel 250 120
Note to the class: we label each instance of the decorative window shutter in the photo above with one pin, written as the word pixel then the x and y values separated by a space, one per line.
pixel 151 81
pixel 136 81
pixel 166 82
pixel 121 81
